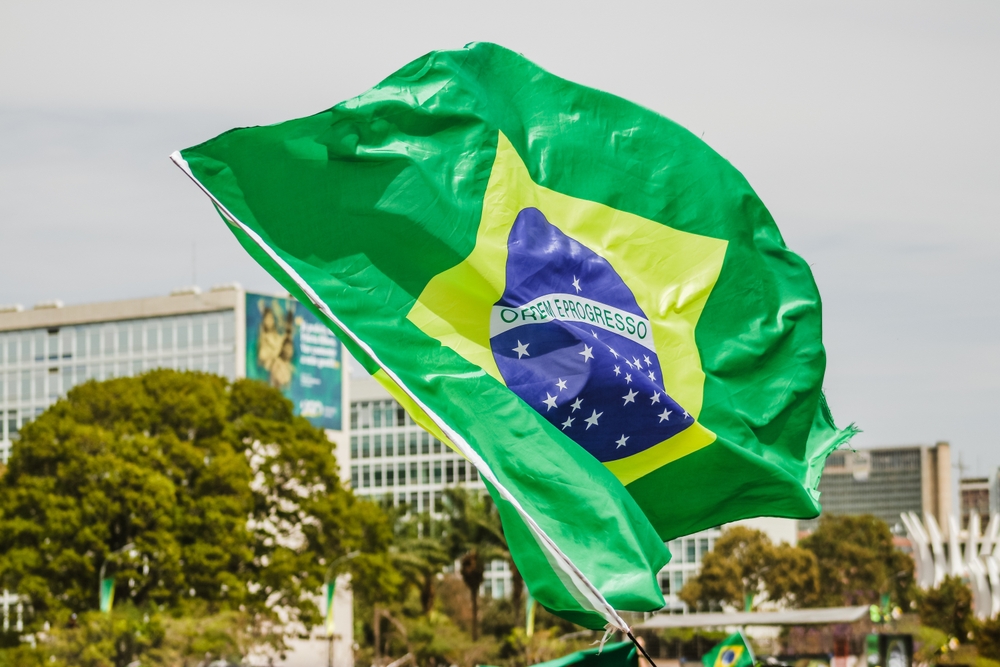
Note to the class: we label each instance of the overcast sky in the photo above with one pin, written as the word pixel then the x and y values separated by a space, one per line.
pixel 871 131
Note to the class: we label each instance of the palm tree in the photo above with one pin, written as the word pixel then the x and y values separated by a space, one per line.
pixel 470 541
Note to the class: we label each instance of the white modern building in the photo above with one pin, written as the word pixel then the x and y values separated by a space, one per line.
pixel 47 350
pixel 395 461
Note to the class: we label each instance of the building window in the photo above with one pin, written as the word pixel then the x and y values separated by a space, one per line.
pixel 437 446
pixel 378 477
pixel 12 350
pixel 702 548
pixel 366 476
pixel 168 335
pixel 388 475
pixel 425 443
pixel 354 446
pixel 213 330
pixel 39 347
pixel 65 343
pixel 354 415
pixel 461 471
pixel 402 474
pixel 427 501
pixel 689 548
pixel 413 473
pixel 665 584
pixel 377 414
pixel 400 416
pixel 39 384
pixel 53 344
pixel 137 337
pixel 197 331
pixel 12 431
pixel 426 470
pixel 449 471
pixel 437 472
pixel 414 506
pixel 377 446
pixel 413 444
pixel 183 334
pixel 365 447
pixel 388 444
pixel 81 342
pixel 228 327
pixel 438 502
pixel 354 477
pixel 678 581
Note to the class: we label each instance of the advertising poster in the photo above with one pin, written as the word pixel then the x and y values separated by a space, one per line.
pixel 291 350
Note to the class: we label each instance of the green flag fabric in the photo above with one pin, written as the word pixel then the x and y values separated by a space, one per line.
pixel 733 651
pixel 576 294
pixel 622 654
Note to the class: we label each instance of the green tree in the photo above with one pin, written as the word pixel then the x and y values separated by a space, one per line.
pixel 858 562
pixel 229 501
pixel 948 608
pixel 746 567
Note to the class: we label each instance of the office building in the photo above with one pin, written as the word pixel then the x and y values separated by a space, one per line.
pixel 886 482
pixel 49 349
pixel 395 461
pixel 973 496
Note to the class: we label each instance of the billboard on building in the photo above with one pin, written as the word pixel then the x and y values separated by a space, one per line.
pixel 290 349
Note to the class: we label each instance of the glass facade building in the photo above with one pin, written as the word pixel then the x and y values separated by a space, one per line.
pixel 46 351
pixel 395 461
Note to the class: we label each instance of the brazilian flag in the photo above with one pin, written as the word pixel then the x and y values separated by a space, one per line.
pixel 576 294
pixel 733 651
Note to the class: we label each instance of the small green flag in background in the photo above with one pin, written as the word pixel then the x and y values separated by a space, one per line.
pixel 107 594
pixel 329 588
pixel 733 651
pixel 576 294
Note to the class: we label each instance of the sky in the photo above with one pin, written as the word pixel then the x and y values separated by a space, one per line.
pixel 870 130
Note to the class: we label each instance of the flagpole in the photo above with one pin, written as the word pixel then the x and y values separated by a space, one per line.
pixel 642 649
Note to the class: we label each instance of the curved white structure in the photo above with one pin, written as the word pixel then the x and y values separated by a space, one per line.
pixel 973 554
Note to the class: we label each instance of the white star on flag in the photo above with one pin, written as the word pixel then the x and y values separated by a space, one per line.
pixel 612 351
pixel 638 364
pixel 576 284
pixel 561 384
pixel 550 401
pixel 665 415
pixel 621 441
pixel 566 424
pixel 652 376
pixel 655 398
pixel 648 362
pixel 593 333
pixel 587 353
pixel 630 397
pixel 592 419
pixel 618 370
pixel 522 349
pixel 576 404
pixel 628 378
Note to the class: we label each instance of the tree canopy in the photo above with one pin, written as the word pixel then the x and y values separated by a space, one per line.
pixel 747 569
pixel 191 489
pixel 858 562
